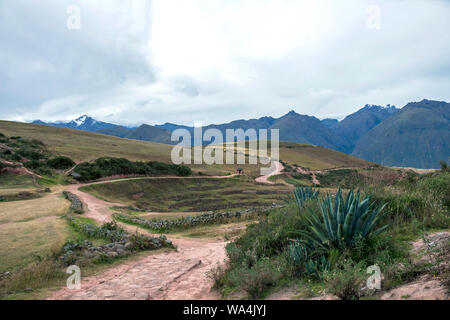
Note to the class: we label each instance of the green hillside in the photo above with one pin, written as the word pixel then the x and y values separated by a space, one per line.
pixel 416 136
pixel 87 146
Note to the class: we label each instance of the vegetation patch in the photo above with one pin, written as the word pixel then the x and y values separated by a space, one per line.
pixel 76 205
pixel 33 154
pixel 107 167
pixel 186 222
pixel 121 243
pixel 94 245
pixel 60 162
pixel 325 243
pixel 24 195
pixel 189 195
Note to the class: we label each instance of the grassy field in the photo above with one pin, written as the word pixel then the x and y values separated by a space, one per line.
pixel 13 181
pixel 31 229
pixel 317 158
pixel 189 195
pixel 86 146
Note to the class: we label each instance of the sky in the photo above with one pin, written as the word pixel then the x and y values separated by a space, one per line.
pixel 134 62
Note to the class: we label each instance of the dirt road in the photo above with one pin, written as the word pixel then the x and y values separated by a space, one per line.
pixel 180 274
pixel 168 275
pixel 265 179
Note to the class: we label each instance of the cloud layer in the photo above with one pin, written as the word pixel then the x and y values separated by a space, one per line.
pixel 214 61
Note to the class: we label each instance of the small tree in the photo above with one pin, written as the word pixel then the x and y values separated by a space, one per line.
pixel 444 166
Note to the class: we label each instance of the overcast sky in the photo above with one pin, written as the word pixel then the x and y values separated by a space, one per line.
pixel 214 61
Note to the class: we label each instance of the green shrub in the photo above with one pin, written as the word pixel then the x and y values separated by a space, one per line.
pixel 271 235
pixel 108 166
pixel 347 282
pixel 341 223
pixel 16 157
pixel 301 194
pixel 60 162
pixel 255 280
pixel 344 178
pixel 307 260
pixel 38 167
pixel 31 154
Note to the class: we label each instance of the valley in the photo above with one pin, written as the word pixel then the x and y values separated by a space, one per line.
pixel 204 215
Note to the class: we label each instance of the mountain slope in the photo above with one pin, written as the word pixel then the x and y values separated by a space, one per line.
pixel 172 126
pixel 117 131
pixel 330 123
pixel 150 133
pixel 85 146
pixel 356 125
pixel 416 136
pixel 299 128
pixel 83 122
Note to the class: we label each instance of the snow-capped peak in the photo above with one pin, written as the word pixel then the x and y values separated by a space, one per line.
pixel 79 121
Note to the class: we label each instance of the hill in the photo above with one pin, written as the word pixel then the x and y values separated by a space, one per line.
pixel 299 128
pixel 86 146
pixel 418 136
pixel 356 125
pixel 116 131
pixel 144 132
pixel 150 133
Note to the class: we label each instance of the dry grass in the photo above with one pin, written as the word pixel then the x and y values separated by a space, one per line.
pixel 318 158
pixel 86 146
pixel 31 228
pixel 21 211
pixel 23 242
pixel 16 182
pixel 219 231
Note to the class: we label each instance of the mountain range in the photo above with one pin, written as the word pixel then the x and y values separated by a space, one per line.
pixel 417 135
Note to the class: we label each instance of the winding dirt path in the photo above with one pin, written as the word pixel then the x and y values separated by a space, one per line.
pixel 170 275
pixel 265 179
pixel 314 179
pixel 180 274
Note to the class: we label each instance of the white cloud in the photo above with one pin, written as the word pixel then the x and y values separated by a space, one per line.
pixel 216 61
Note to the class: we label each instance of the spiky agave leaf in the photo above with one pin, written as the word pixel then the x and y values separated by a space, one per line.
pixel 342 221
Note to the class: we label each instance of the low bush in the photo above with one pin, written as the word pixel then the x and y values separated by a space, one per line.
pixel 38 167
pixel 344 178
pixel 347 282
pixel 60 162
pixel 107 166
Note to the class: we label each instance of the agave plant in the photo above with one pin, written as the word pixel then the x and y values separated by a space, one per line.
pixel 301 194
pixel 343 220
pixel 308 259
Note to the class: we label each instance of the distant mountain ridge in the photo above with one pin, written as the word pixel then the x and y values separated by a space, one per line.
pixel 356 125
pixel 83 122
pixel 144 132
pixel 416 135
